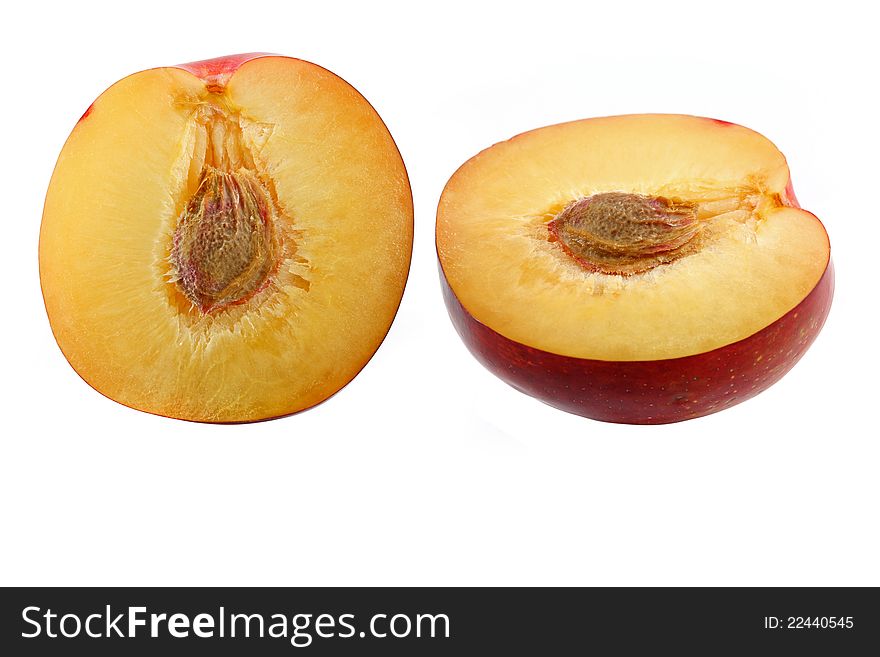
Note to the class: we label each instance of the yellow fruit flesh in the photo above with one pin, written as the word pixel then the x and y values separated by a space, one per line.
pixel 117 193
pixel 756 259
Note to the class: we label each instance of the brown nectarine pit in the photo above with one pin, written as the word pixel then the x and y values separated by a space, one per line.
pixel 225 245
pixel 624 234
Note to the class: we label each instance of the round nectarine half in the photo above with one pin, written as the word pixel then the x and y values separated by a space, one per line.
pixel 641 269
pixel 225 241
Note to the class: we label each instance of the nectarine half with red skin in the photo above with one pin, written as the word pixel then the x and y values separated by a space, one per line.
pixel 227 240
pixel 639 269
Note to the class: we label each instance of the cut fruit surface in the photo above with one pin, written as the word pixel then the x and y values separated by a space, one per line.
pixel 226 241
pixel 644 268
pixel 752 258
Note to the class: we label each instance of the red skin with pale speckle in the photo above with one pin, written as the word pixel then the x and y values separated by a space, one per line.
pixel 651 392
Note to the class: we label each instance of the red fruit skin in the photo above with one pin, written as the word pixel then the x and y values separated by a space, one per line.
pixel 220 66
pixel 86 113
pixel 650 392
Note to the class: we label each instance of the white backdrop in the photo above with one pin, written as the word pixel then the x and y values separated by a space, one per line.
pixel 427 469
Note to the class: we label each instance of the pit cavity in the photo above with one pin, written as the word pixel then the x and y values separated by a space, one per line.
pixel 622 234
pixel 227 242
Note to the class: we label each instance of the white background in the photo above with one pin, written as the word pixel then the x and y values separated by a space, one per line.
pixel 426 469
